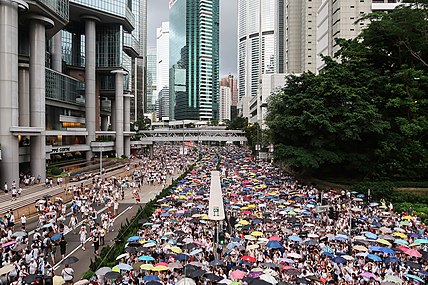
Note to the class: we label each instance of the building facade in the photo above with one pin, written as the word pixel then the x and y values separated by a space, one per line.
pixel 225 103
pixel 194 59
pixel 260 42
pixel 152 82
pixel 66 81
pixel 162 53
pixel 340 19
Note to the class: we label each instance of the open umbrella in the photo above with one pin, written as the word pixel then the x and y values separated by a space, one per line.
pixel 102 271
pixel 146 266
pixel 112 275
pixel 248 258
pixel 82 282
pixel 145 258
pixel 56 237
pixel 70 260
pixel 124 266
pixel 58 280
pixel 151 278
pixel 32 277
pixel 186 281
pixel 417 278
pixel 393 278
pixel 216 262
pixel 6 269
pixel 19 234
pixel 268 278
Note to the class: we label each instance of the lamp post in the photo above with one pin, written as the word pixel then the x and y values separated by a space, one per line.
pixel 101 164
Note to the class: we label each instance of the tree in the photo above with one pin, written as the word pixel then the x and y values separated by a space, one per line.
pixel 238 123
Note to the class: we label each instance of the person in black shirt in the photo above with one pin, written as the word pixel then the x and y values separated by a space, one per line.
pixel 62 246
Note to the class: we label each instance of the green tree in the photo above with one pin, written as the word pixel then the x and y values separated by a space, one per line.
pixel 238 123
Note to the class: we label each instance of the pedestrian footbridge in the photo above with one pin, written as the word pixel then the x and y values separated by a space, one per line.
pixel 190 135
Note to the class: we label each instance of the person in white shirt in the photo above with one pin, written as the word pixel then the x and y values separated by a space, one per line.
pixel 67 274
pixel 82 235
pixel 23 221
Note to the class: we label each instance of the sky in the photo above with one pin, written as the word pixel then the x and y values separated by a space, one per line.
pixel 158 12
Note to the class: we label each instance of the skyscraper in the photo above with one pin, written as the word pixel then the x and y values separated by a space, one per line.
pixel 194 59
pixel 162 61
pixel 151 88
pixel 225 103
pixel 260 42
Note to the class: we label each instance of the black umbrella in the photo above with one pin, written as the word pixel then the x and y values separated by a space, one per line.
pixel 212 277
pixel 195 273
pixel 269 265
pixel 190 246
pixel 292 271
pixel 302 281
pixel 414 265
pixel 154 283
pixel 32 278
pixel 142 221
pixel 255 281
pixel 70 260
pixel 311 242
pixel 132 250
pixel 216 262
pixel 179 233
pixel 112 275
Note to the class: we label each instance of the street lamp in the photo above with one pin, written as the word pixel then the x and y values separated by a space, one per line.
pixel 101 164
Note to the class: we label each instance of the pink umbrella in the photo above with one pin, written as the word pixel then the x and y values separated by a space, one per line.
pixel 162 264
pixel 275 238
pixel 237 274
pixel 413 252
pixel 367 275
pixel 246 212
pixel 8 244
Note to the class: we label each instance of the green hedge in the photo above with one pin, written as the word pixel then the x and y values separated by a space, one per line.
pixel 108 254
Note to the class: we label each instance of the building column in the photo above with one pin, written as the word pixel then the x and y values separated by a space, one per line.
pixel 24 94
pixel 104 123
pixel 90 80
pixel 127 123
pixel 9 112
pixel 37 30
pixel 113 115
pixel 57 52
pixel 119 111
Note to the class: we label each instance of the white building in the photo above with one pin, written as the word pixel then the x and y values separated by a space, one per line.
pixel 260 42
pixel 225 103
pixel 162 53
pixel 338 19
pixel 258 104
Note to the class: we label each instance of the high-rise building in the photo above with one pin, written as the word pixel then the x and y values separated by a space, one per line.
pixel 151 88
pixel 67 78
pixel 225 103
pixel 340 19
pixel 162 53
pixel 194 59
pixel 260 42
pixel 231 82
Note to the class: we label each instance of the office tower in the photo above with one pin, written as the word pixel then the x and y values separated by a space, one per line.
pixel 225 103
pixel 194 59
pixel 230 81
pixel 151 89
pixel 141 61
pixel 338 19
pixel 162 53
pixel 66 72
pixel 260 41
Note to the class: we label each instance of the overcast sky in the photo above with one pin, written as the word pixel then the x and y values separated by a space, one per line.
pixel 158 13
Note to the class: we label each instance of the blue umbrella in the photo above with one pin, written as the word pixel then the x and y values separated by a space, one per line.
pixel 328 254
pixel 370 235
pixel 387 250
pixel 145 258
pixel 417 278
pixel 274 244
pixel 374 257
pixel 295 238
pixel 182 257
pixel 236 239
pixel 423 273
pixel 165 215
pixel 339 259
pixel 133 238
pixel 124 266
pixel 56 237
pixel 151 278
pixel 391 259
pixel 232 245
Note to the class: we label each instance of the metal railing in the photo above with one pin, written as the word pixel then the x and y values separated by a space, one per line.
pixel 64 88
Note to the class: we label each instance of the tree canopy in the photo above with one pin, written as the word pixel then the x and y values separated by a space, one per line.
pixel 365 115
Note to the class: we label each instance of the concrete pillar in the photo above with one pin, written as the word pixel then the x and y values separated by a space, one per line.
pixel 119 111
pixel 9 112
pixel 127 123
pixel 37 29
pixel 104 123
pixel 90 81
pixel 113 115
pixel 57 52
pixel 24 94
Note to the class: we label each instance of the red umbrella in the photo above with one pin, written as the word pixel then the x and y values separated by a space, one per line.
pixel 248 258
pixel 275 238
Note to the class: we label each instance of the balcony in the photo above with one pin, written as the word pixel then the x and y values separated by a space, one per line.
pixel 130 45
pixel 64 88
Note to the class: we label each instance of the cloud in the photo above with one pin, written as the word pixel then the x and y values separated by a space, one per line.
pixel 158 13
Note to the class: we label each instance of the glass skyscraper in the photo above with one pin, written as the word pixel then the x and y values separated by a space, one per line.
pixel 194 59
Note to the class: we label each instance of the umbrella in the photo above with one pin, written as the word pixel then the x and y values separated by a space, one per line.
pixel 19 234
pixel 6 269
pixel 175 265
pixel 216 262
pixel 58 280
pixel 131 250
pixel 374 257
pixel 237 274
pixel 154 283
pixel 212 277
pixel 295 238
pixel 274 244
pixel 417 278
pixel 393 278
pixel 248 258
pixel 268 278
pixel 182 257
pixel 186 281
pixel 151 278
pixel 160 268
pixel 124 266
pixel 32 277
pixel 421 241
pixel 195 273
pixel 70 260
pixel 112 275
pixel 56 237
pixel 391 259
pixel 367 275
pixel 412 264
pixel 413 252
pixel 124 255
pixel 146 266
pixel 145 258
pixel 8 244
pixel 82 282
pixel 102 271
pixel 339 259
pixel 294 255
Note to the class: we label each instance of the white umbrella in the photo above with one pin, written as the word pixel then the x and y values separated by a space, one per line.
pixel 102 271
pixel 6 269
pixel 124 255
pixel 186 281
pixel 82 282
pixel 268 278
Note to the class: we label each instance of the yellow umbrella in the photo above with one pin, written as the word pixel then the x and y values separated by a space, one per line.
pixel 176 249
pixel 248 237
pixel 164 205
pixel 244 222
pixel 257 234
pixel 402 235
pixel 205 217
pixel 251 206
pixel 244 208
pixel 146 266
pixel 115 269
pixel 383 241
pixel 58 280
pixel 407 217
pixel 253 246
pixel 160 268
pixel 142 241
